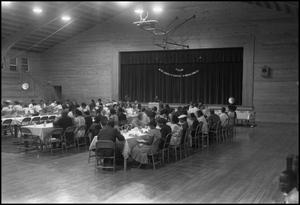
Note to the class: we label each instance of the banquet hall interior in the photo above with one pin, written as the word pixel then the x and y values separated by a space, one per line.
pixel 149 102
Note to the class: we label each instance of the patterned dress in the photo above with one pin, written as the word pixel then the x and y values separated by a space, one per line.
pixel 140 151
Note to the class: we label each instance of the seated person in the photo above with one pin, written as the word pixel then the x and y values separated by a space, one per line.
pixel 100 118
pixel 6 109
pixel 202 120
pixel 78 122
pixel 64 121
pixel 88 119
pixel 213 120
pixel 183 123
pixel 176 130
pixel 164 131
pixel 139 121
pixel 108 132
pixel 113 115
pixel 84 107
pixel 150 144
pixel 223 117
pixel 122 117
pixel 195 124
pixel 17 108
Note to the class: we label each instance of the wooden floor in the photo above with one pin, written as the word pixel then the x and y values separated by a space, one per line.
pixel 245 170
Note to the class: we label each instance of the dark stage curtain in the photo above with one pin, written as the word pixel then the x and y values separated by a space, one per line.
pixel 212 75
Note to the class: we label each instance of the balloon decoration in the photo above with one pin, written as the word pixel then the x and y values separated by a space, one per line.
pixel 231 100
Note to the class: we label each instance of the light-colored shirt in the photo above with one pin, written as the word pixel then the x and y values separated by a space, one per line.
pixel 224 119
pixel 204 125
pixel 79 121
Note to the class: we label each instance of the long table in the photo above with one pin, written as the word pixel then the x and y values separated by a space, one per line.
pixel 41 130
pixel 130 141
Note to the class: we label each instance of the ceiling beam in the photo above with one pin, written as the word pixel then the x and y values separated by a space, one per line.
pixel 9 43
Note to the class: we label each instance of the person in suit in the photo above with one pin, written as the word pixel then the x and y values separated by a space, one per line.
pixel 64 121
pixel 108 132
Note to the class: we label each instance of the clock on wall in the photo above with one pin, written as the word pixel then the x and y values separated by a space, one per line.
pixel 25 86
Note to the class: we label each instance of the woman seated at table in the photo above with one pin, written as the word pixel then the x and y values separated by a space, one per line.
pixel 139 121
pixel 176 130
pixel 78 122
pixel 17 108
pixel 6 109
pixel 148 144
pixel 195 124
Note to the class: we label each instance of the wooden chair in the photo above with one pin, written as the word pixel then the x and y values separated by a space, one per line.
pixel 166 148
pixel 35 120
pixel 55 140
pixel 92 153
pixel 29 140
pixel 185 147
pixel 197 138
pixel 82 136
pixel 214 133
pixel 69 137
pixel 6 126
pixel 178 148
pixel 105 149
pixel 154 158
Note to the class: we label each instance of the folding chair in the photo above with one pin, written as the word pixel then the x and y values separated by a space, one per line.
pixel 30 140
pixel 69 137
pixel 6 126
pixel 55 140
pixel 105 149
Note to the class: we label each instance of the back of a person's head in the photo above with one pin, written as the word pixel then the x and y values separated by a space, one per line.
pixel 78 112
pixel 111 123
pixel 223 109
pixel 200 113
pixel 152 123
pixel 87 112
pixel 112 111
pixel 174 119
pixel 83 104
pixel 64 113
pixel 212 111
pixel 193 116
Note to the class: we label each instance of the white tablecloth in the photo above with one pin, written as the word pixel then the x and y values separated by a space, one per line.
pixel 41 130
pixel 131 135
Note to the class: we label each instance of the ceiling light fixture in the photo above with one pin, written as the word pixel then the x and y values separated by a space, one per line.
pixel 157 9
pixel 66 18
pixel 37 10
pixel 6 3
pixel 123 3
pixel 139 11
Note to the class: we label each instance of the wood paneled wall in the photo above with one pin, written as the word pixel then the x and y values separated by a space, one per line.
pixel 87 66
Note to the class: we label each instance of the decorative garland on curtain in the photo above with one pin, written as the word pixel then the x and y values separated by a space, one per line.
pixel 178 76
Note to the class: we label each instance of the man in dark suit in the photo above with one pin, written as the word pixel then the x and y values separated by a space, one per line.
pixel 110 133
pixel 64 121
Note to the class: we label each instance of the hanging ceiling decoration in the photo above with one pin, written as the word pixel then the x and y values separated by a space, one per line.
pixel 152 26
pixel 178 75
